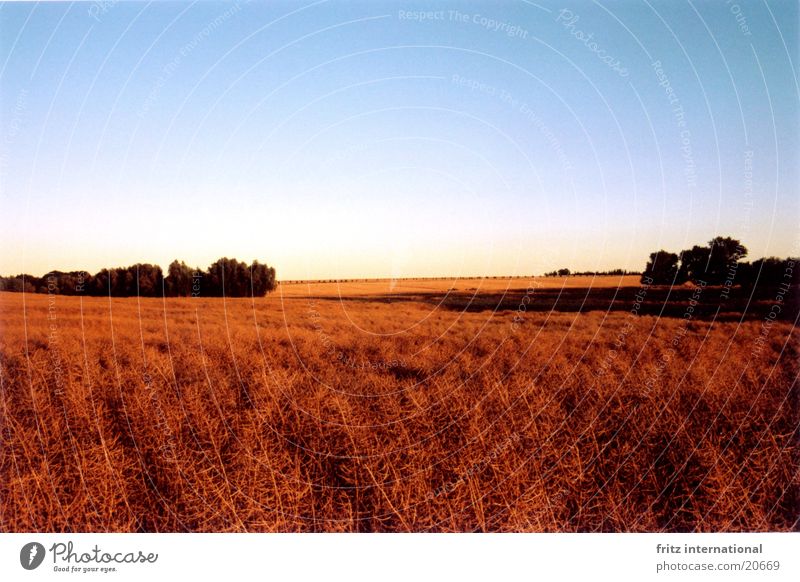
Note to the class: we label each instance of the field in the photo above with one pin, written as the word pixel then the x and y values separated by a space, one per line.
pixel 578 404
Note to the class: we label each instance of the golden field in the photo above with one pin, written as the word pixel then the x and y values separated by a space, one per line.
pixel 470 405
pixel 377 287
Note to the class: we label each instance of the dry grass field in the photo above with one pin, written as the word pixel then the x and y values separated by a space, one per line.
pixel 473 405
pixel 384 287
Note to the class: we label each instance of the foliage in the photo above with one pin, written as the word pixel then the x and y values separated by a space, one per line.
pixel 227 277
pixel 720 263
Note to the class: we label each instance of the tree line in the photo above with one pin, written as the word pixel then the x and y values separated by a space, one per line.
pixel 225 277
pixel 719 263
pixel 568 273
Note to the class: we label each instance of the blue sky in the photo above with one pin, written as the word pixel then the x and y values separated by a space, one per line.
pixel 361 139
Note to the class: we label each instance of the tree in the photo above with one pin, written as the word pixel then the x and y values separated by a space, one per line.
pixel 233 278
pixel 20 283
pixel 662 268
pixel 179 281
pixel 225 276
pixel 262 279
pixel 714 264
pixel 693 264
pixel 770 272
pixel 563 272
pixel 148 280
pixel 724 255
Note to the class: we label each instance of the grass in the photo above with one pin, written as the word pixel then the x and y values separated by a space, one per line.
pixel 502 405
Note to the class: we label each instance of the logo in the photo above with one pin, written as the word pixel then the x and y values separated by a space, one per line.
pixel 31 555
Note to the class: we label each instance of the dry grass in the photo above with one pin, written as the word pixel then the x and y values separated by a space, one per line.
pixel 375 287
pixel 369 413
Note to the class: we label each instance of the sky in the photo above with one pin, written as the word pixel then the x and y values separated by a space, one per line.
pixel 375 139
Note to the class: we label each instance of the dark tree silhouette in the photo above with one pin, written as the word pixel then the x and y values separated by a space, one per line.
pixel 662 269
pixel 180 279
pixel 769 273
pixel 725 254
pixel 720 263
pixel 263 278
pixel 149 278
pixel 693 264
pixel 233 278
pixel 715 264
pixel 225 276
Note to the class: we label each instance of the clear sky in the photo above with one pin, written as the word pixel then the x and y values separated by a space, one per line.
pixel 368 139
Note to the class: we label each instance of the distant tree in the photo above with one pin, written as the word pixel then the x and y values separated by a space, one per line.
pixel 179 281
pixel 263 279
pixel 141 279
pixel 234 278
pixel 103 282
pixel 215 278
pixel 563 272
pixel 714 264
pixel 229 276
pixel 123 282
pixel 693 264
pixel 662 268
pixel 148 279
pixel 725 254
pixel 72 283
pixel 770 272
pixel 20 283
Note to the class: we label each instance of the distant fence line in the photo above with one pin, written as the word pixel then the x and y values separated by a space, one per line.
pixel 467 277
